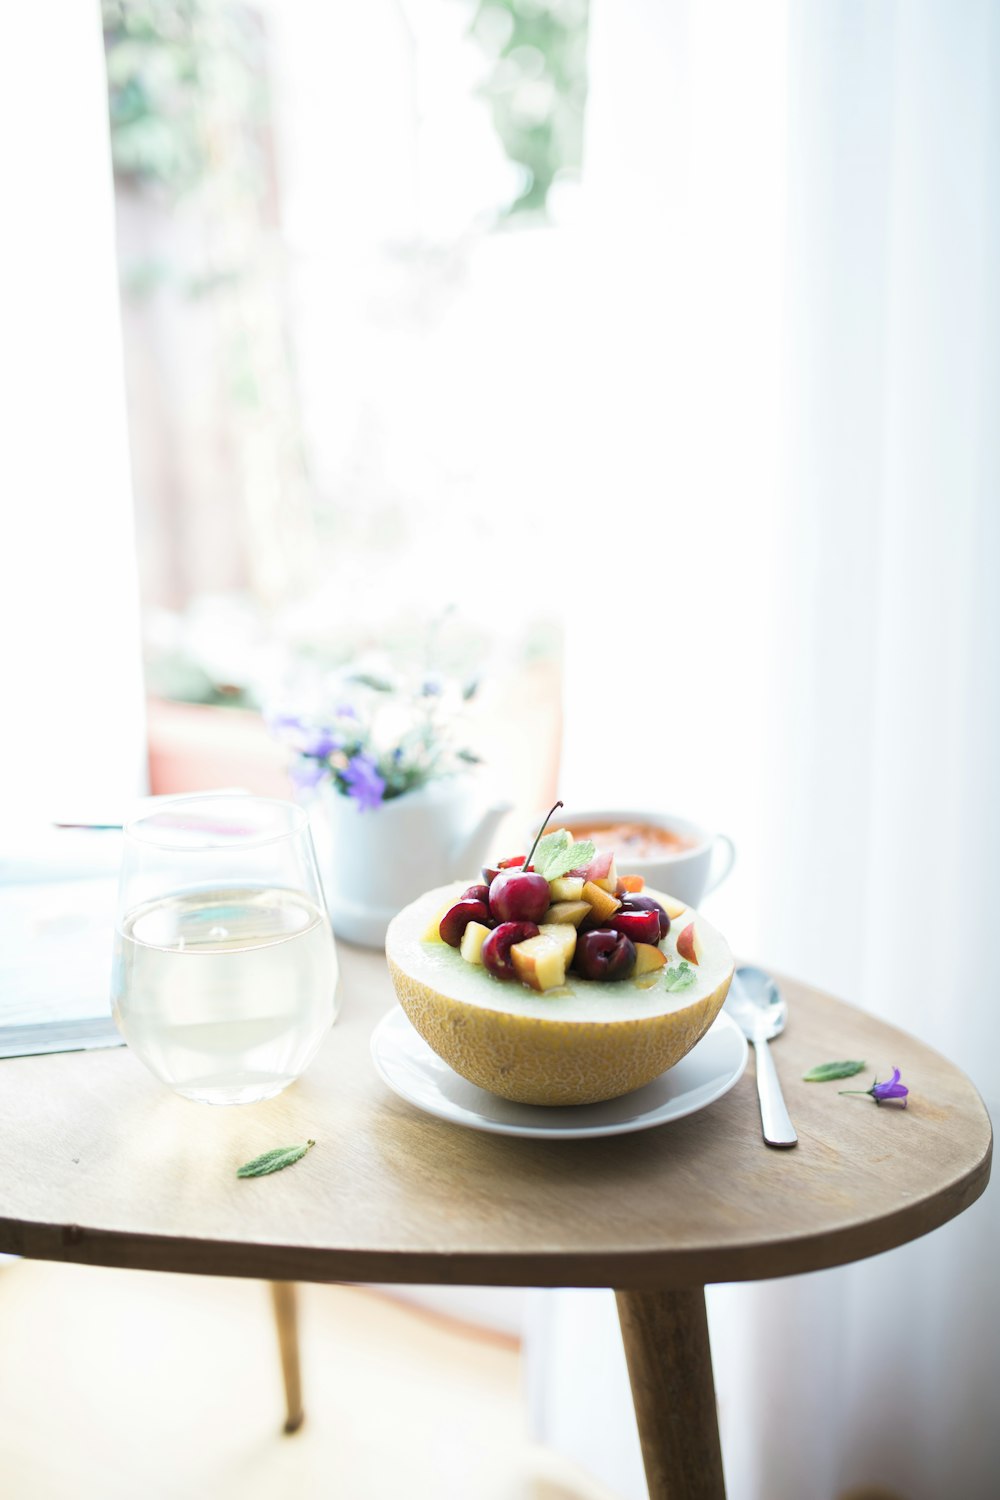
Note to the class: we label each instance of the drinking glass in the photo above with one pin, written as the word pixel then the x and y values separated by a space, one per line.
pixel 224 980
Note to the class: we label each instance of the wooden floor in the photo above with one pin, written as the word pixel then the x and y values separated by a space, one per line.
pixel 122 1385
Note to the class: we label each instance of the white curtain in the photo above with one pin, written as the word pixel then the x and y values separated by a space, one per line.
pixel 71 701
pixel 806 362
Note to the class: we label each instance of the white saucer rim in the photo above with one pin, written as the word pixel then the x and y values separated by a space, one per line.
pixel 457 1115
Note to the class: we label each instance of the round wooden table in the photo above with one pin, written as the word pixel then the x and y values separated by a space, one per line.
pixel 101 1165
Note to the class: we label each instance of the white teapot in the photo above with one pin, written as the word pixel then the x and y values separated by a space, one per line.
pixel 375 861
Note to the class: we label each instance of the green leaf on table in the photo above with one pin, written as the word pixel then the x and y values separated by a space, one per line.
pixel 556 854
pixel 679 976
pixel 273 1161
pixel 827 1072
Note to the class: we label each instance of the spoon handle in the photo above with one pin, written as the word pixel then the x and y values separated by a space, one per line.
pixel 775 1123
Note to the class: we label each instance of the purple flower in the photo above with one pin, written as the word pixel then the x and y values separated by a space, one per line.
pixel 320 743
pixel 306 738
pixel 306 772
pixel 363 782
pixel 882 1092
pixel 345 711
pixel 891 1089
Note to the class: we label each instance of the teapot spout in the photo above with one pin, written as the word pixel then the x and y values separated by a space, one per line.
pixel 471 850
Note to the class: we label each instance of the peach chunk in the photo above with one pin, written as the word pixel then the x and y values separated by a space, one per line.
pixel 432 932
pixel 647 958
pixel 688 944
pixel 604 904
pixel 673 908
pixel 562 933
pixel 567 911
pixel 539 962
pixel 473 938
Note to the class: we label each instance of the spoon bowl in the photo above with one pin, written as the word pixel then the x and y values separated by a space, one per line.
pixel 760 1011
pixel 756 1004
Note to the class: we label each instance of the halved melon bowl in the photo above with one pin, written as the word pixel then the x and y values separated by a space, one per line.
pixel 582 1043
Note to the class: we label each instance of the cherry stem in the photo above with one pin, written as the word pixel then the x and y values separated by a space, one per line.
pixel 538 835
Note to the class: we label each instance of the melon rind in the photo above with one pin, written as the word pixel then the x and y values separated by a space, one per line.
pixel 530 1057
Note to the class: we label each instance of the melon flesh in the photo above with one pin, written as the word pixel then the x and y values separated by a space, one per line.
pixel 584 1043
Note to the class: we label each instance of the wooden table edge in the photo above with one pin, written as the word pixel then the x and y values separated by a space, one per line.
pixel 639 1270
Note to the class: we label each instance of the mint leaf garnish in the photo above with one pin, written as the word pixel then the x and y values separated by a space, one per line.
pixel 273 1161
pixel 679 977
pixel 825 1072
pixel 548 847
pixel 572 857
pixel 555 853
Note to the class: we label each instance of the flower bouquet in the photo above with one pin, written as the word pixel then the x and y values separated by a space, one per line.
pixel 398 802
pixel 383 737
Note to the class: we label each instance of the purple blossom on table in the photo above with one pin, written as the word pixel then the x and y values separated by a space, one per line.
pixel 362 781
pixel 891 1090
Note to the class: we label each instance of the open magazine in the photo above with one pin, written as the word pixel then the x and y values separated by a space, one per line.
pixel 57 917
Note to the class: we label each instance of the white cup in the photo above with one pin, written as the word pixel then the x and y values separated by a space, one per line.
pixel 690 875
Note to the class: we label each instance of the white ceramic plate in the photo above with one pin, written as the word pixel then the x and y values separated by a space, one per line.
pixel 406 1063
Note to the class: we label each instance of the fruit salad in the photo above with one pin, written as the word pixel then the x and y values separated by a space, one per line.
pixel 563 908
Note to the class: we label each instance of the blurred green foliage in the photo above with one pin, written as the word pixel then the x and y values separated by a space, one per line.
pixel 537 88
pixel 166 60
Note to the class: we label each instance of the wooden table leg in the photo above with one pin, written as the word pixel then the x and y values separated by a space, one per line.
pixel 287 1320
pixel 670 1368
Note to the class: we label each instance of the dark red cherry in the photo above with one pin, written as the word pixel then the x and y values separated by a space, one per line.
pixel 646 903
pixel 457 918
pixel 519 897
pixel 640 926
pixel 496 948
pixel 603 954
pixel 476 893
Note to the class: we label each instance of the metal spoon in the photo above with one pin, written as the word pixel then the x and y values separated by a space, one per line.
pixel 756 1005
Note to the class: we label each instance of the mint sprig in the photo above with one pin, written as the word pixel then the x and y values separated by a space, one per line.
pixel 556 854
pixel 274 1160
pixel 679 977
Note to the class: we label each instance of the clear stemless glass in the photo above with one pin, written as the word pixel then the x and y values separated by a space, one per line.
pixel 224 980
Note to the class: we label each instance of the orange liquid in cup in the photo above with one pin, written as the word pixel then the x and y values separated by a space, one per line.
pixel 636 840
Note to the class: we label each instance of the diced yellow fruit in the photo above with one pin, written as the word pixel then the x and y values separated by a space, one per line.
pixel 567 911
pixel 539 961
pixel 432 933
pixel 673 907
pixel 647 958
pixel 473 937
pixel 566 888
pixel 602 901
pixel 563 934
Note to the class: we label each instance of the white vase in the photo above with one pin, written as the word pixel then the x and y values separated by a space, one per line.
pixel 375 861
